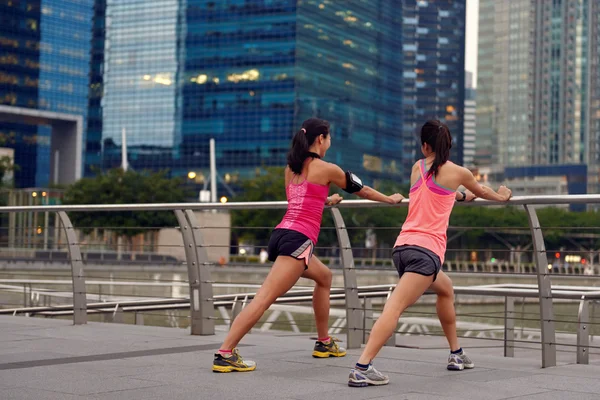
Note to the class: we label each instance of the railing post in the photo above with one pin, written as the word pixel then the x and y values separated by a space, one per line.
pixel 592 315
pixel 391 342
pixel 236 308
pixel 509 326
pixel 354 316
pixel 117 315
pixel 79 294
pixel 201 305
pixel 367 318
pixel 583 332
pixel 544 289
pixel 205 283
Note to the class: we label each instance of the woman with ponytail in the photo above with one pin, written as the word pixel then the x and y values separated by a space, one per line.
pixel 307 180
pixel 419 251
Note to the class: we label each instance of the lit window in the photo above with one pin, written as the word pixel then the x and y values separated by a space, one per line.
pixel 201 79
pixel 250 75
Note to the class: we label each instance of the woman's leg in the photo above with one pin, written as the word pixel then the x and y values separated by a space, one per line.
pixel 442 286
pixel 318 272
pixel 445 308
pixel 409 288
pixel 283 275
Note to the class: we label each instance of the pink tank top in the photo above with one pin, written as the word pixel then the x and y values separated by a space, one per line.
pixel 306 202
pixel 428 215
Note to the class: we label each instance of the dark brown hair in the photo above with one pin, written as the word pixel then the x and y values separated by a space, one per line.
pixel 311 129
pixel 437 135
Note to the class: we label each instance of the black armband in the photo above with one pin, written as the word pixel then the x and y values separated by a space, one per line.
pixel 353 183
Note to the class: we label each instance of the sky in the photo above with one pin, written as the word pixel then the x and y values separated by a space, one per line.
pixel 471 41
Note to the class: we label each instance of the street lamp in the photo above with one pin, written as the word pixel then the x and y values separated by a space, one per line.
pixel 223 199
pixel 191 175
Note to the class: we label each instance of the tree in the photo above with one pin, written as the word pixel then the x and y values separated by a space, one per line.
pixel 119 187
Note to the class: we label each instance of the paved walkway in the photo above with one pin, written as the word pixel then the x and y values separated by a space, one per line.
pixel 51 359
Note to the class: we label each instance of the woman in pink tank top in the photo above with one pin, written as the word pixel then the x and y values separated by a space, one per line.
pixel 291 245
pixel 419 250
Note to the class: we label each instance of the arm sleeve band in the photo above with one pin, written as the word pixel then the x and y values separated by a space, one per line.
pixel 353 183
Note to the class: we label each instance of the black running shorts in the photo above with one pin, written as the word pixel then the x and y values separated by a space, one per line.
pixel 286 242
pixel 416 259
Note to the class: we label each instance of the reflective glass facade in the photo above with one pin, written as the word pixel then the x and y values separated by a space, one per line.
pixel 537 90
pixel 248 74
pixel 238 85
pixel 140 90
pixel 93 148
pixel 434 58
pixel 349 71
pixel 44 64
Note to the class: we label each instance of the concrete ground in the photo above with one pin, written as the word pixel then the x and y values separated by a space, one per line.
pixel 52 359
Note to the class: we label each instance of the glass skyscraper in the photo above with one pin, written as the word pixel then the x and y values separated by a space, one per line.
pixel 248 73
pixel 140 81
pixel 349 71
pixel 44 64
pixel 93 148
pixel 433 34
pixel 537 92
pixel 168 75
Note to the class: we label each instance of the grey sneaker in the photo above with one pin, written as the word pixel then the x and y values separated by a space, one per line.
pixel 458 362
pixel 371 376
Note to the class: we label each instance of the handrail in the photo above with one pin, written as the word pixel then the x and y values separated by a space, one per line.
pixel 517 200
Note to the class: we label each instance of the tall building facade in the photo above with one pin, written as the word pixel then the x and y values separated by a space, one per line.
pixel 247 73
pixel 348 69
pixel 93 149
pixel 470 124
pixel 537 84
pixel 433 35
pixel 44 64
pixel 140 81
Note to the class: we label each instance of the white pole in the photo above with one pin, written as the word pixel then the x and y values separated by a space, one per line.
pixel 124 163
pixel 213 172
pixel 56 166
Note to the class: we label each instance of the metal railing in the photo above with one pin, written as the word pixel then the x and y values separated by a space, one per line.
pixel 202 301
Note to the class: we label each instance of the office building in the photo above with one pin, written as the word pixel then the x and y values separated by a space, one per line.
pixel 537 91
pixel 247 73
pixel 433 34
pixel 44 65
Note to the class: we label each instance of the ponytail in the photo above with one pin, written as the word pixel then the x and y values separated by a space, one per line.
pixel 298 152
pixel 437 135
pixel 312 128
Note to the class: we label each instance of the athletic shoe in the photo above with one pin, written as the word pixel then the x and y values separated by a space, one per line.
pixel 328 349
pixel 458 362
pixel 371 376
pixel 232 363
